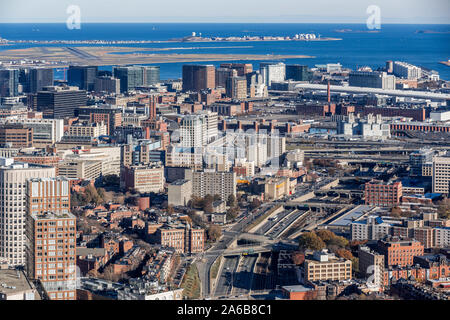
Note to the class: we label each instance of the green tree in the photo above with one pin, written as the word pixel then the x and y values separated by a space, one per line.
pixel 344 253
pixel 232 213
pixel 256 203
pixel 310 240
pixel 214 233
pixel 444 209
pixel 325 235
pixel 231 201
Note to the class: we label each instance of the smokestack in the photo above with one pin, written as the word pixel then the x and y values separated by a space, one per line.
pixel 329 93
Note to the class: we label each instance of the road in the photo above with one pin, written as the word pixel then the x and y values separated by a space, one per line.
pixel 285 224
pixel 263 279
pixel 204 264
pixel 269 224
pixel 227 276
pixel 244 277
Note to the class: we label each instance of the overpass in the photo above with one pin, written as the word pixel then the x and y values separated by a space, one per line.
pixel 395 93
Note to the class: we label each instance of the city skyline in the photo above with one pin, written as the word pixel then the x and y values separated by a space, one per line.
pixel 285 11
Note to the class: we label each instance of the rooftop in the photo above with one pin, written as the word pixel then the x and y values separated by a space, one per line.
pixel 13 282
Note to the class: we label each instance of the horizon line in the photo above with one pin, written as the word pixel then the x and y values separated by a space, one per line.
pixel 192 22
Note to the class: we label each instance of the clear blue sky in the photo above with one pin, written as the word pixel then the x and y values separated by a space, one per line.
pixel 298 11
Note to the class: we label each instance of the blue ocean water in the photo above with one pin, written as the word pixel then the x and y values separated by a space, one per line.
pixel 358 47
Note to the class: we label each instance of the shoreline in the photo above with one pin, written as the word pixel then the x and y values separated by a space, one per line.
pixel 57 57
pixel 116 42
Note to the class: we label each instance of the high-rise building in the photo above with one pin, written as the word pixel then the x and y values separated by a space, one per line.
pixel 214 183
pixel 371 263
pixel 222 75
pixel 60 102
pixel 133 77
pixel 130 77
pixel 151 75
pixel 40 78
pixel 192 131
pixel 272 72
pixel 236 87
pixel 107 84
pixel 418 159
pixel 241 68
pixel 198 129
pixel 13 182
pixel 372 79
pixel 298 72
pixel 82 77
pixel 406 70
pixel 51 237
pixel 143 178
pixel 199 77
pixel 441 174
pixel 378 193
pixel 9 82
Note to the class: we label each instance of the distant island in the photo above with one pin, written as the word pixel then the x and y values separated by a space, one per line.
pixel 356 31
pixel 192 38
pixel 297 37
pixel 433 32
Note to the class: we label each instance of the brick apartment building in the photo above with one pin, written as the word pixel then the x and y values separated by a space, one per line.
pixel 17 135
pixel 184 239
pixel 382 194
pixel 51 234
pixel 399 252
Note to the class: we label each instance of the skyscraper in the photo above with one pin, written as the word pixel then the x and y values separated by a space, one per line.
pixel 60 102
pixel 13 180
pixel 151 75
pixel 82 76
pixel 298 72
pixel 40 78
pixel 9 82
pixel 136 76
pixel 222 75
pixel 272 72
pixel 198 77
pixel 441 174
pixel 236 87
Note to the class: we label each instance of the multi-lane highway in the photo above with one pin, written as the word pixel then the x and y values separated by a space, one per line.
pixel 227 277
pixel 204 264
pixel 244 276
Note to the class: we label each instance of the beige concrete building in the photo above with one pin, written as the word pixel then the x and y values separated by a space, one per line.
pixel 441 174
pixel 371 263
pixel 80 169
pixel 212 182
pixel 179 192
pixel 108 157
pixel 276 188
pixel 86 129
pixel 45 131
pixel 13 180
pixel 325 266
pixel 16 286
pixel 143 178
